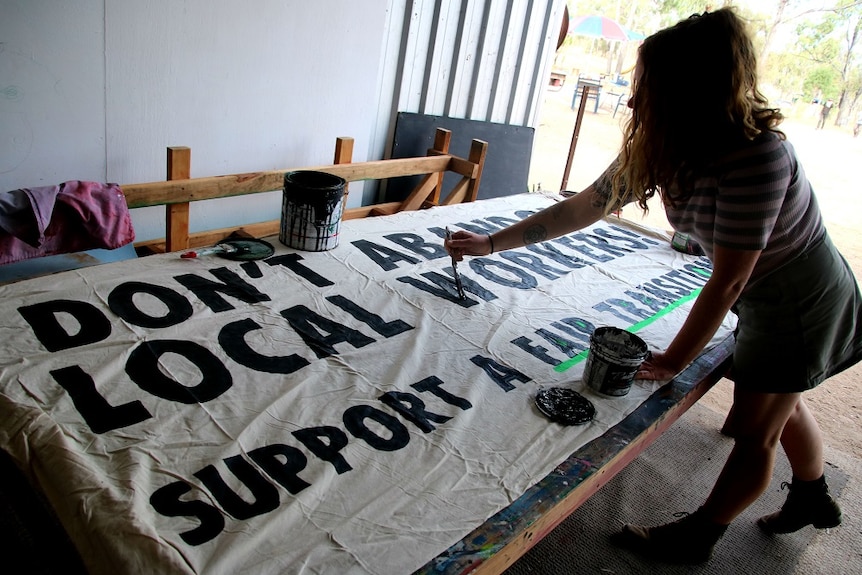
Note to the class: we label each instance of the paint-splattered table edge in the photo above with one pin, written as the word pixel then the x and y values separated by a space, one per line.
pixel 507 535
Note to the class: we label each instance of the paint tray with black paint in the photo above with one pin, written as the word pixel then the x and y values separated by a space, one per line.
pixel 565 406
pixel 240 249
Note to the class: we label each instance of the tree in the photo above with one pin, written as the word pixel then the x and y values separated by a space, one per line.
pixel 783 77
pixel 832 42
pixel 771 30
pixel 822 58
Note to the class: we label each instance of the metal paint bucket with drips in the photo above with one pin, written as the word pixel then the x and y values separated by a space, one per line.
pixel 613 361
pixel 312 206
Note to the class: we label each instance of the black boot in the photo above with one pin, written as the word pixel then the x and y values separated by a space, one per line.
pixel 808 503
pixel 689 540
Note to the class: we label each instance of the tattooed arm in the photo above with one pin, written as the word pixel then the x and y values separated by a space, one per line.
pixel 573 213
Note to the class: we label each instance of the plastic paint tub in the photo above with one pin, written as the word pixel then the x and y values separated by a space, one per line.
pixel 311 210
pixel 613 361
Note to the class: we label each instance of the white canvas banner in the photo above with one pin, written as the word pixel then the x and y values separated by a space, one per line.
pixel 319 412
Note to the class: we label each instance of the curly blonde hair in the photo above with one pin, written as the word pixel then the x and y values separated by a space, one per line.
pixel 696 98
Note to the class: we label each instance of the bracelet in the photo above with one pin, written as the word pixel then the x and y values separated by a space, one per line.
pixel 491 241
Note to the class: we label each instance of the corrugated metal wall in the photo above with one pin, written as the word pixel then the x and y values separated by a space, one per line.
pixel 485 60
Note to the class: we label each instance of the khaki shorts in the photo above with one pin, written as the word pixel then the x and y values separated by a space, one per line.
pixel 799 325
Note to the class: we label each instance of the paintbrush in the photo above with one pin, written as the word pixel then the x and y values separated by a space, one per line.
pixel 458 285
pixel 217 249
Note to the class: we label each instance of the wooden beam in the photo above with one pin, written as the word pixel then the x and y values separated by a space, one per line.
pixel 372 210
pixel 344 155
pixel 478 151
pixel 442 140
pixel 420 194
pixel 575 135
pixel 458 193
pixel 178 191
pixel 383 169
pixel 177 215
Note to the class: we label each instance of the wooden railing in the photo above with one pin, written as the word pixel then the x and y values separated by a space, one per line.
pixel 179 190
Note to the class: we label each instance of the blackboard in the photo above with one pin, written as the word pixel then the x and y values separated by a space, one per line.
pixel 507 163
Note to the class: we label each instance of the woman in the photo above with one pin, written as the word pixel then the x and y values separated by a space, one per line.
pixel 703 137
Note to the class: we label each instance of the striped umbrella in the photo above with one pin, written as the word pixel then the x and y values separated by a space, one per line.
pixel 598 27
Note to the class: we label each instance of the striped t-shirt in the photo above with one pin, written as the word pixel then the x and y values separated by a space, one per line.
pixel 756 198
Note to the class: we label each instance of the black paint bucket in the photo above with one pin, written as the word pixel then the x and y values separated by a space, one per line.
pixel 613 361
pixel 311 210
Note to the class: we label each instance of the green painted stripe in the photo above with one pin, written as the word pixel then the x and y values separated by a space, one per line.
pixel 636 327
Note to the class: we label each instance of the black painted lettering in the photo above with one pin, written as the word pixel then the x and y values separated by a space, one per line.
pixel 328 450
pixel 93 326
pixel 417 244
pixel 265 494
pixel 445 288
pixel 533 264
pixel 434 385
pixel 385 257
pixel 476 226
pixel 99 415
pixel 500 374
pixel 575 327
pixel 602 244
pixel 654 304
pixel 322 338
pixel 700 273
pixel 282 463
pixel 548 250
pixel 503 221
pixel 514 276
pixel 251 269
pixel 385 328
pixel 143 367
pixel 581 248
pixel 231 284
pixel 413 410
pixel 630 307
pixel 355 421
pixel 672 287
pixel 607 307
pixel 651 287
pixel 566 346
pixel 166 501
pixel 291 262
pixel 121 300
pixel 231 338
pixel 536 351
pixel 685 278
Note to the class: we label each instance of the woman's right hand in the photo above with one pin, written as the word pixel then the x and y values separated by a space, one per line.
pixel 464 243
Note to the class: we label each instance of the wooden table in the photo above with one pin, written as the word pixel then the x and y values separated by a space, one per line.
pixel 505 537
pixel 341 409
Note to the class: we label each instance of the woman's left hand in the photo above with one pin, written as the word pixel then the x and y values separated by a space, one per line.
pixel 656 368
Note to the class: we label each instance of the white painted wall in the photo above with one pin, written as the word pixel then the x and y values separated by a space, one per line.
pixel 98 89
pixel 52 92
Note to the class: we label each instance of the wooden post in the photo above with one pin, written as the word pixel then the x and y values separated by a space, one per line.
pixel 478 151
pixel 343 155
pixel 585 94
pixel 442 141
pixel 177 215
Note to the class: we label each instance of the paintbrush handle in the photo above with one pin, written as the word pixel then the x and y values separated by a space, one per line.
pixel 207 251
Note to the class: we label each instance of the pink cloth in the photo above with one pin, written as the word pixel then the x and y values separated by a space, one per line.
pixel 71 217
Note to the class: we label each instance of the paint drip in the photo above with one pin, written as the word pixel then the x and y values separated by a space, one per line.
pixel 565 406
pixel 614 358
pixel 312 206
